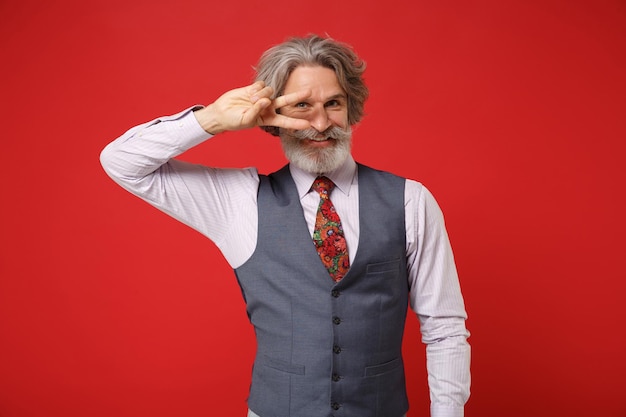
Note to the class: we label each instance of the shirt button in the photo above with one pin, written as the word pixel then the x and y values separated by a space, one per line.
pixel 336 320
pixel 337 349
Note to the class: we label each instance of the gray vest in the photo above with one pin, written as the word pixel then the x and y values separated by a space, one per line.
pixel 326 348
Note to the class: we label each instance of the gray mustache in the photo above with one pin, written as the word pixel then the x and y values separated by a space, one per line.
pixel 334 132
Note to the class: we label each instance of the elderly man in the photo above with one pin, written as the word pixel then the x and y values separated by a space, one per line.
pixel 328 252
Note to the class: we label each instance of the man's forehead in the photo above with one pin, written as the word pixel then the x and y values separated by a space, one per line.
pixel 320 80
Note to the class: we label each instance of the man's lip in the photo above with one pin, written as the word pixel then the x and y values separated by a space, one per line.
pixel 324 142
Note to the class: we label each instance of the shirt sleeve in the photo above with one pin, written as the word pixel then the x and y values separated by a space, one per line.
pixel 219 203
pixel 437 300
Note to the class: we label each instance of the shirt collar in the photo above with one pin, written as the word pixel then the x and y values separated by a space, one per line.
pixel 342 177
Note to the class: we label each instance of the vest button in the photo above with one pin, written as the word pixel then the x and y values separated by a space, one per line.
pixel 336 320
pixel 335 406
pixel 336 378
pixel 337 349
pixel 335 293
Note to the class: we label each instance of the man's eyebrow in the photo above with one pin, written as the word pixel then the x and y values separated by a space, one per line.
pixel 343 96
pixel 336 96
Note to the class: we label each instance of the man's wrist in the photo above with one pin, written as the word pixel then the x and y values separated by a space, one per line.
pixel 207 120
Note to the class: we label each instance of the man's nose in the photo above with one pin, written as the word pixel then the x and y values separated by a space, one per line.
pixel 320 120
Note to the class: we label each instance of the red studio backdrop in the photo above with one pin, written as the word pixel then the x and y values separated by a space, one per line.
pixel 511 112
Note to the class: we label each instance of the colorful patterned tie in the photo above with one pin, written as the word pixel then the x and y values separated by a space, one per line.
pixel 328 233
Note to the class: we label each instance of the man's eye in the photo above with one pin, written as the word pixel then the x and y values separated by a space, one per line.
pixel 301 105
pixel 333 103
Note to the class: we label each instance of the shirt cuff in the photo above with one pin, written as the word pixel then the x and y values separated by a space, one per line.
pixel 442 410
pixel 186 130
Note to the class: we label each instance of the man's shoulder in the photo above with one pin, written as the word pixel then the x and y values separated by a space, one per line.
pixel 368 170
pixel 412 186
pixel 284 170
pixel 379 178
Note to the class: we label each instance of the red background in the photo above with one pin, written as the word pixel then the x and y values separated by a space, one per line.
pixel 511 112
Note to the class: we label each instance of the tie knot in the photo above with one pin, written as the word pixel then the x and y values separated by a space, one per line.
pixel 323 185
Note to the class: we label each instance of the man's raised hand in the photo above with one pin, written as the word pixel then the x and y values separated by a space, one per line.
pixel 250 106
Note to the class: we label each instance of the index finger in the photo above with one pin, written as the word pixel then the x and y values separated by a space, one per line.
pixel 291 98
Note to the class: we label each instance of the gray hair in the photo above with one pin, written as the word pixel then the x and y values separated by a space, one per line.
pixel 277 63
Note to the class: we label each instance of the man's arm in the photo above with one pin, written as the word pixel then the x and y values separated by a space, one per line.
pixel 218 203
pixel 236 109
pixel 436 298
pixel 210 200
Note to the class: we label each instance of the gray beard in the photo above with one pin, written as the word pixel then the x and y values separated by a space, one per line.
pixel 317 161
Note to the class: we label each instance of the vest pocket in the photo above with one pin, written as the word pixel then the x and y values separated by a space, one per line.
pixel 383 367
pixel 281 365
pixel 389 269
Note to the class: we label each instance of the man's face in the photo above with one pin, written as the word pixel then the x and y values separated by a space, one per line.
pixel 326 145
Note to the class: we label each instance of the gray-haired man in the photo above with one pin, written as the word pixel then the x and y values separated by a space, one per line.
pixel 326 275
